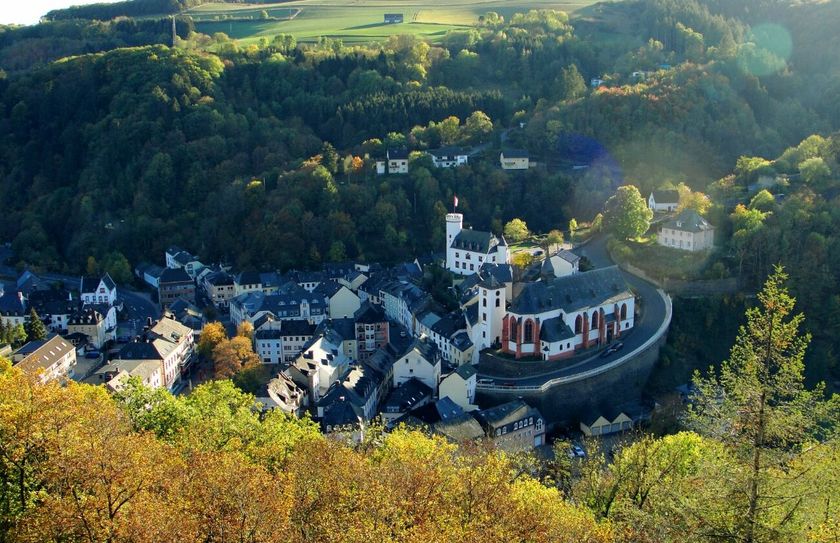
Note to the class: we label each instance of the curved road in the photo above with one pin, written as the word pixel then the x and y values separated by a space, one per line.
pixel 651 306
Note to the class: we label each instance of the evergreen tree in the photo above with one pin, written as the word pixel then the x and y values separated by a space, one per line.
pixel 35 329
pixel 758 406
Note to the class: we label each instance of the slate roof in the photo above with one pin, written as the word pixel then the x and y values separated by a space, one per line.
pixel 465 371
pixel 341 412
pixel 174 275
pixel 688 221
pixel 553 330
pixel 460 429
pixel 328 288
pixel 12 305
pixel 90 284
pixel 53 302
pixel 248 278
pixel 397 154
pixel 505 414
pixel 449 325
pixel 345 328
pixel 666 196
pixel 515 153
pixel 447 152
pixel 162 339
pixel 219 278
pixel 268 334
pixel 297 327
pixel 369 314
pixel 473 240
pixel 406 397
pixel 572 292
pixel 86 316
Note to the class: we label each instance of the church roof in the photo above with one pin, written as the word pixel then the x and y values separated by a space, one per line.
pixel 555 329
pixel 572 292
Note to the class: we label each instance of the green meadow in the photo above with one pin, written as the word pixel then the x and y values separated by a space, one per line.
pixel 357 21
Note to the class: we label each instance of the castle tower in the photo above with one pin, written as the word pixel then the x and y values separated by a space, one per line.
pixel 454 225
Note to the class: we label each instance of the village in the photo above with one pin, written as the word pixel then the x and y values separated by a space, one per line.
pixel 355 343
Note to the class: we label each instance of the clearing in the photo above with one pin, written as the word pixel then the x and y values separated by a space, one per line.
pixel 357 21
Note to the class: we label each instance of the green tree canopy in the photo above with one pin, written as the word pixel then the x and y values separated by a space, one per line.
pixel 626 213
pixel 516 230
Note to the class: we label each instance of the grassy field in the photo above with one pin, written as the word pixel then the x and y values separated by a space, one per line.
pixel 357 21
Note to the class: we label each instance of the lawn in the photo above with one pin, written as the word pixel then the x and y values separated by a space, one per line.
pixel 660 262
pixel 357 21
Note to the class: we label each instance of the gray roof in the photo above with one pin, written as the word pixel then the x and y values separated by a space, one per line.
pixel 398 154
pixel 44 354
pixel 461 428
pixel 473 240
pixel 447 152
pixel 505 414
pixel 666 196
pixel 553 330
pixel 12 305
pixel 369 314
pixel 90 284
pixel 572 292
pixel 465 371
pixel 405 397
pixel 249 278
pixel 219 278
pixel 515 153
pixel 688 221
pixel 174 275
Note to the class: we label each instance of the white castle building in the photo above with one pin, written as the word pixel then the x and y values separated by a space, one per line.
pixel 467 249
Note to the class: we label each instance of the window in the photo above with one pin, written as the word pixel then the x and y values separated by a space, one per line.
pixel 529 331
pixel 497 302
pixel 484 302
pixel 594 322
pixel 623 312
pixel 472 267
pixel 513 329
pixel 578 325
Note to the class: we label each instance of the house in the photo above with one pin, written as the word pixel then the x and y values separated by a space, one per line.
pixel 175 283
pixel 393 18
pixel 341 301
pixel 596 82
pixel 605 421
pixel 552 319
pixel 381 167
pixel 513 426
pixel 281 341
pixel 372 330
pixel 187 314
pixel 286 395
pixel 448 157
pixel 178 258
pixel 219 287
pixel 290 303
pixel 148 273
pixel 397 159
pixel 459 387
pixel 116 373
pixel 664 201
pixel 319 365
pixel 54 306
pixel 359 386
pixel 98 290
pixel 405 398
pixel 421 361
pixel 247 281
pixel 688 231
pixel 467 250
pixel 28 282
pixel 307 280
pixel 168 342
pixel 560 264
pixel 514 159
pixel 51 359
pixel 13 308
pixel 91 323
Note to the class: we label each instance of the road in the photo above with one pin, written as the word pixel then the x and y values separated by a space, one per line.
pixel 651 306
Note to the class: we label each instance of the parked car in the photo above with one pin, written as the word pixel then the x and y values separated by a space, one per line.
pixel 486 382
pixel 92 354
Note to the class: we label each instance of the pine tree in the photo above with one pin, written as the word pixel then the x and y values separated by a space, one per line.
pixel 760 409
pixel 35 329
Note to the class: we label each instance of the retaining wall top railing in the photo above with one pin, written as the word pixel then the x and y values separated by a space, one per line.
pixel 660 332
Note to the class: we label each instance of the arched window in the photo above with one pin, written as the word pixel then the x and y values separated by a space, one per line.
pixel 623 312
pixel 529 331
pixel 513 330
pixel 484 302
pixel 594 322
pixel 579 325
pixel 497 302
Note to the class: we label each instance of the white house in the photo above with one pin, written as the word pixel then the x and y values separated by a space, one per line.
pixel 467 250
pixel 513 426
pixel 179 258
pixel 664 201
pixel 422 362
pixel 560 264
pixel 341 301
pixel 51 359
pixel 687 231
pixel 459 386
pixel 168 341
pixel 397 160
pixel 514 159
pixel 448 157
pixel 98 290
pixel 319 366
